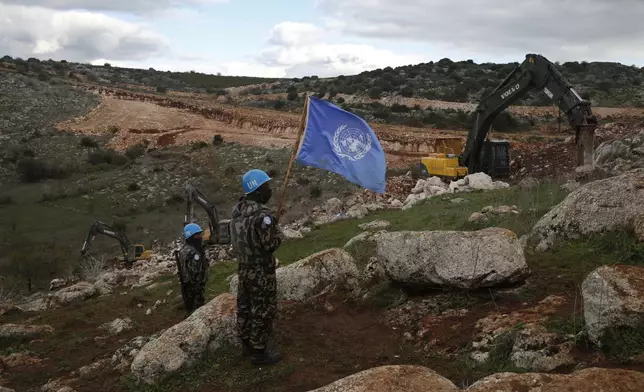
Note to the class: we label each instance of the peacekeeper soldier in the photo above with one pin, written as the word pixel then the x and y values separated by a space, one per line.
pixel 255 236
pixel 193 268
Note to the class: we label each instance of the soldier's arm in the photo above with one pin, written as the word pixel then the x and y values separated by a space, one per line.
pixel 268 232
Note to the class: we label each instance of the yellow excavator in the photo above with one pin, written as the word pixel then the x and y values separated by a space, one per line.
pixel 131 252
pixel 492 157
pixel 218 231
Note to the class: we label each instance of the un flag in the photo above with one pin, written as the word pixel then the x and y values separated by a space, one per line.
pixel 343 143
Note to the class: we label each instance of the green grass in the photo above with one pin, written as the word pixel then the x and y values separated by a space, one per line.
pixel 437 213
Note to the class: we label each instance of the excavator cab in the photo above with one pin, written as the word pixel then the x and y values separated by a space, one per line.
pixel 496 158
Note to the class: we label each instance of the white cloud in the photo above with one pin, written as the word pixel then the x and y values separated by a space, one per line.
pixel 300 49
pixel 113 5
pixel 74 35
pixel 293 50
pixel 560 29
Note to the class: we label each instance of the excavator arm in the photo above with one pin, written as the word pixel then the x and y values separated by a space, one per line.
pixel 536 72
pixel 195 196
pixel 99 227
pixel 219 229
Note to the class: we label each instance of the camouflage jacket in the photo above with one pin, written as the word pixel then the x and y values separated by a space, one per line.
pixel 254 233
pixel 194 265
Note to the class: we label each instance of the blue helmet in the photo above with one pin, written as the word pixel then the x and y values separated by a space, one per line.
pixel 253 179
pixel 191 229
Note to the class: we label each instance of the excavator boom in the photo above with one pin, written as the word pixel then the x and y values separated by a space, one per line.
pixel 99 227
pixel 536 72
pixel 219 229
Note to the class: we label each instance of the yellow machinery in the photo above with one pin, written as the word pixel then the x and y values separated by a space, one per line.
pixel 131 252
pixel 136 252
pixel 444 162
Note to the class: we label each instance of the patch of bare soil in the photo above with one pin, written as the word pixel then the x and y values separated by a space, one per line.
pixel 138 121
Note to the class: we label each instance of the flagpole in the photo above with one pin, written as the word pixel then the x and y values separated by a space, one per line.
pixel 300 132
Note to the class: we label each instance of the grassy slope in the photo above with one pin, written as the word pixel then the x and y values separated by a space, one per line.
pixel 323 345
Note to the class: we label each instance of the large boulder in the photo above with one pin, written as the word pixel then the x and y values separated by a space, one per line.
pixel 208 329
pixel 393 378
pixel 316 274
pixel 586 380
pixel 613 297
pixel 600 206
pixel 457 259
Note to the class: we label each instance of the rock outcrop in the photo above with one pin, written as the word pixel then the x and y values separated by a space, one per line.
pixel 319 273
pixel 10 331
pixel 613 297
pixel 393 378
pixel 208 329
pixel 591 379
pixel 409 378
pixel 457 259
pixel 600 206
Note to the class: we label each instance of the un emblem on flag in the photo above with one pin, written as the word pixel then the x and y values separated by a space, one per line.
pixel 351 143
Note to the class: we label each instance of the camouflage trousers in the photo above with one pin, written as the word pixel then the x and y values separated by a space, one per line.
pixel 193 296
pixel 256 303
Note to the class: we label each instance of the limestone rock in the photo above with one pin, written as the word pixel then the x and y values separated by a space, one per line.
pixel 600 206
pixel 591 379
pixel 9 331
pixel 613 297
pixel 457 259
pixel 375 225
pixel 392 378
pixel 316 274
pixel 208 329
pixel 117 326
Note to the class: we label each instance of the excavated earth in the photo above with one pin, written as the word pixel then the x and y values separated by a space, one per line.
pixel 183 118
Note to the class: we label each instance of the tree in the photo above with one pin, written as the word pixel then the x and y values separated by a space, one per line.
pixel 375 92
pixel 292 96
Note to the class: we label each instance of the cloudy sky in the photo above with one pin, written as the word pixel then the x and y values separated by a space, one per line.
pixel 294 38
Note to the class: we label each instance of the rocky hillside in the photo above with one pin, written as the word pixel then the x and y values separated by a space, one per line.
pixel 436 94
pixel 472 285
pixel 142 78
pixel 605 84
pixel 56 183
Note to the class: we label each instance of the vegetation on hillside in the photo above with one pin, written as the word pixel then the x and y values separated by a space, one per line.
pixel 109 75
pixel 605 84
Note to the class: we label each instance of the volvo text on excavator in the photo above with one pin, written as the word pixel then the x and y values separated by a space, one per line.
pixel 131 253
pixel 536 72
pixel 218 231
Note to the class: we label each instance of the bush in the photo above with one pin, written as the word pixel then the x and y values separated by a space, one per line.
pixel 110 157
pixel 88 142
pixel 292 96
pixel 375 93
pixel 199 145
pixel 161 89
pixel 34 170
pixel 135 151
pixel 279 104
pixel 217 140
pixel 315 191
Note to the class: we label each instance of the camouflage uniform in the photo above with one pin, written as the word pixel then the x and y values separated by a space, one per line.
pixel 255 236
pixel 193 276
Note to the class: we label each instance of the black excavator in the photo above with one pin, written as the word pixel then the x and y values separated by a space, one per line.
pixel 536 72
pixel 218 232
pixel 131 252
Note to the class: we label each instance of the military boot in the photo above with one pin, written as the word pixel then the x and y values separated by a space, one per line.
pixel 247 349
pixel 264 357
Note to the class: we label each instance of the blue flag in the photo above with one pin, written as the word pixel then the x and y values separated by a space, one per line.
pixel 343 143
